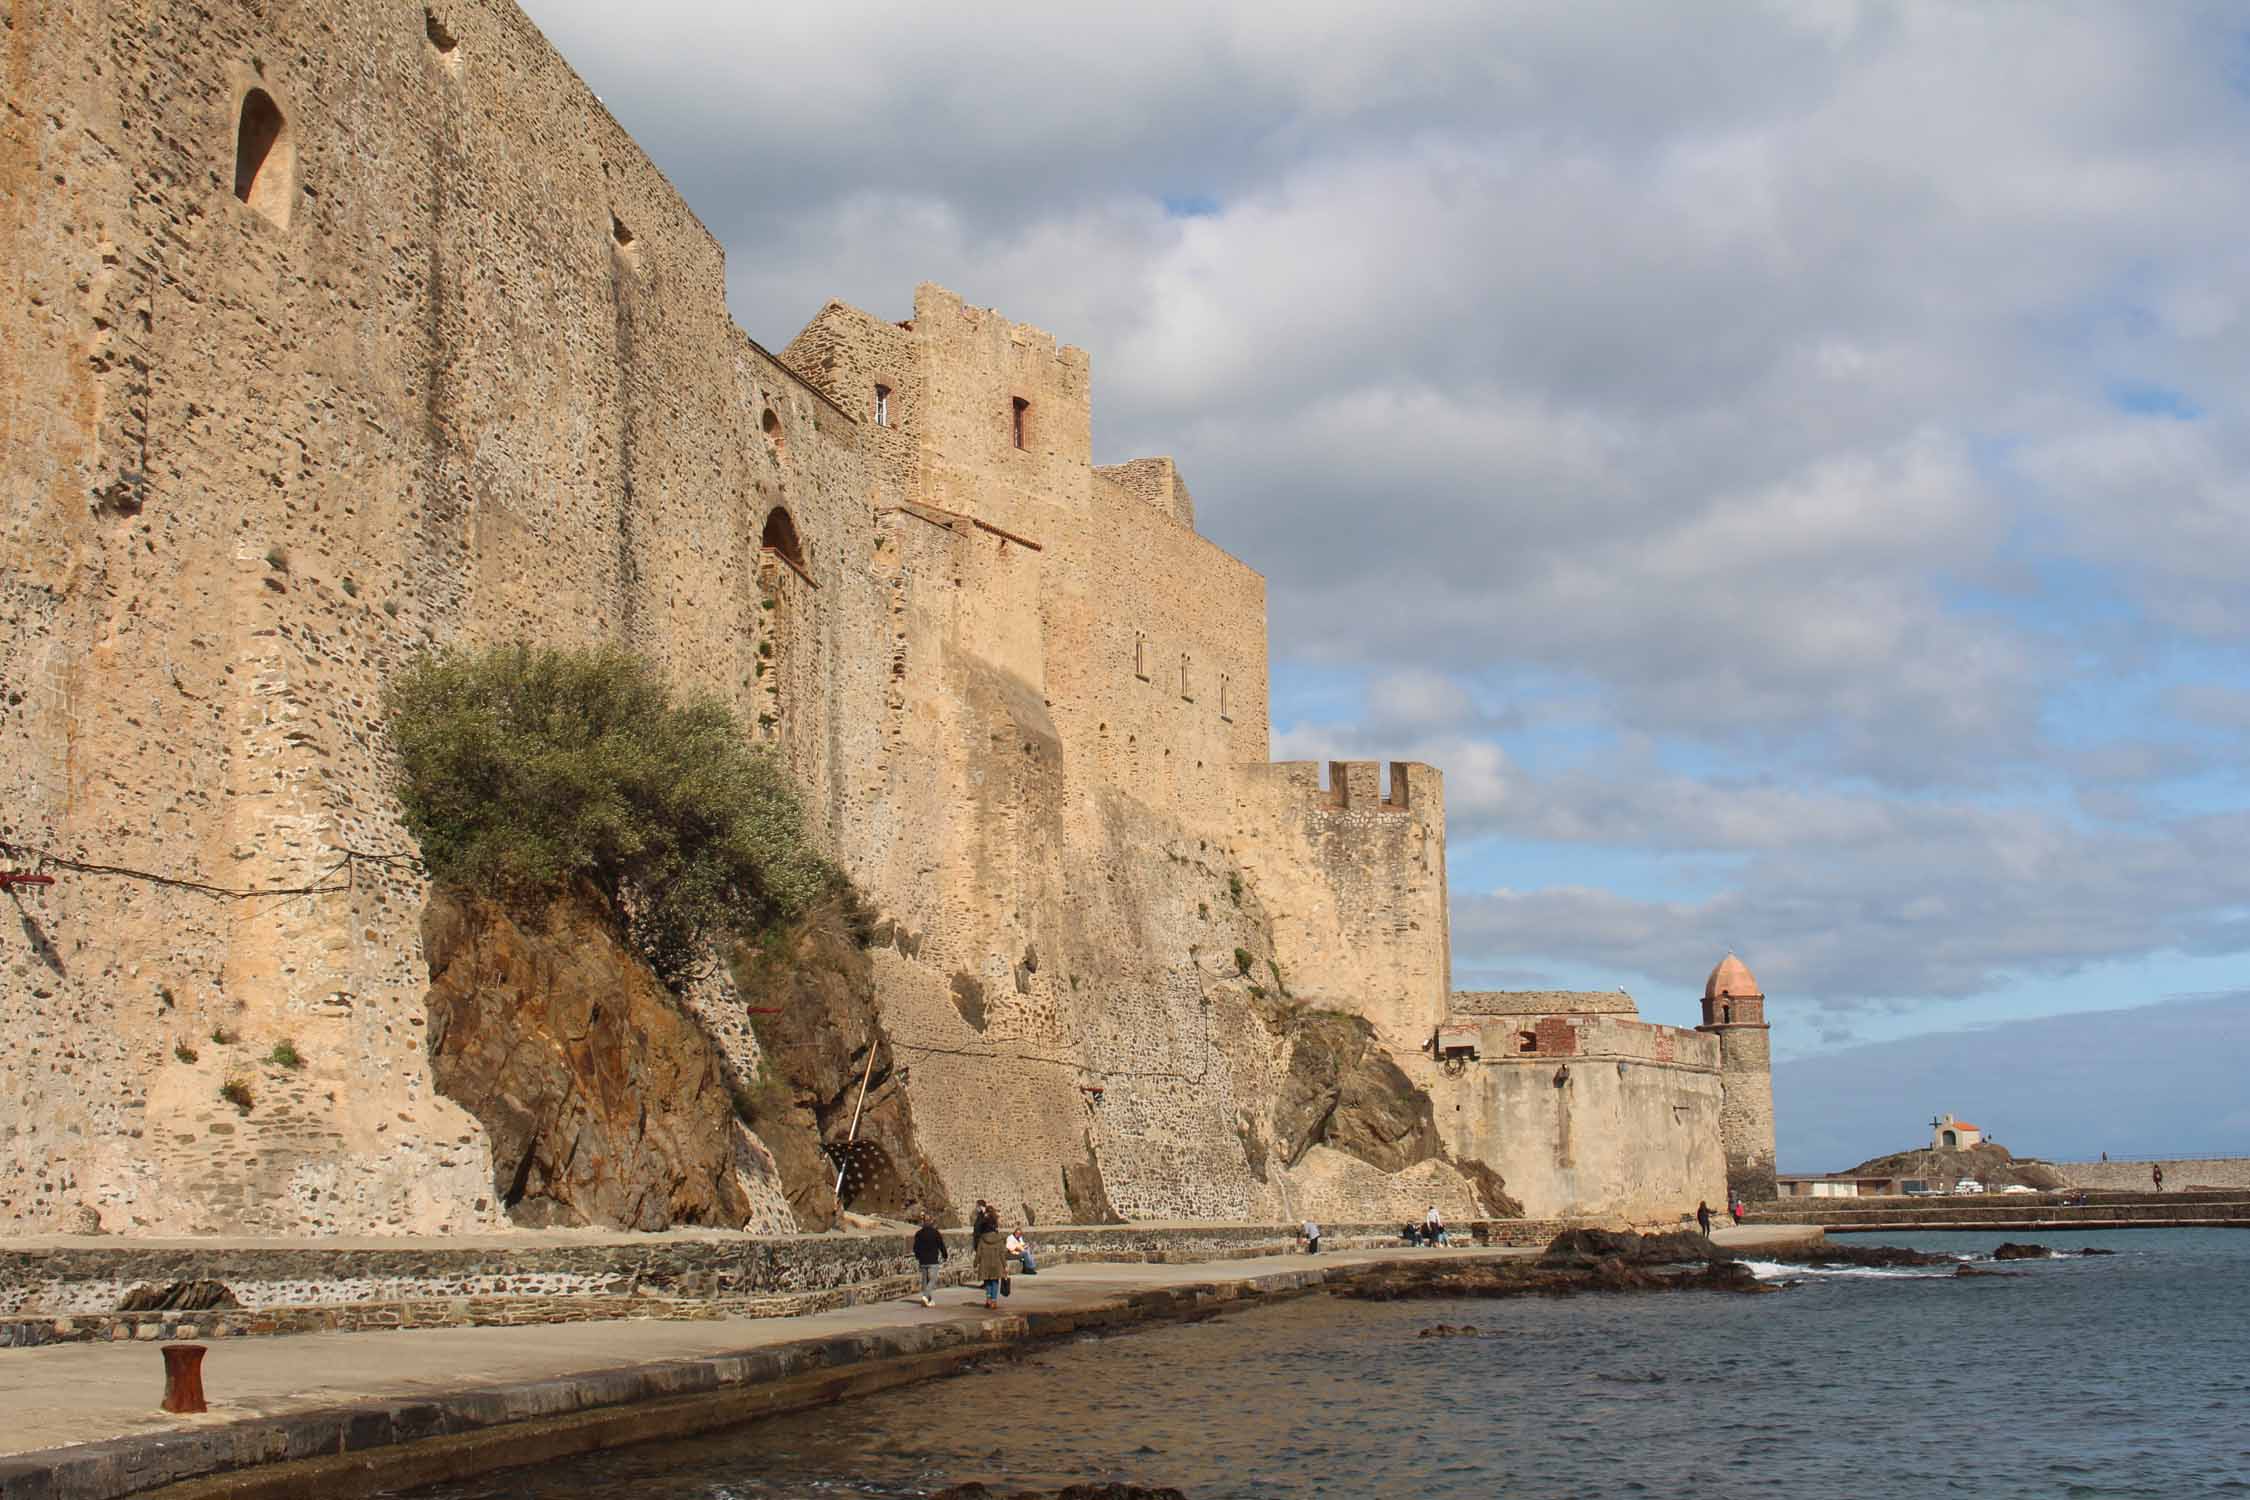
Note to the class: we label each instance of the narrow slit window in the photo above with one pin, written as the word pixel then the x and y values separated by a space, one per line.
pixel 1019 410
pixel 1224 706
pixel 265 158
pixel 1140 655
pixel 1187 689
pixel 882 406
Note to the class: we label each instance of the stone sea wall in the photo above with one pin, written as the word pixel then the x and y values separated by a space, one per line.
pixel 2179 1172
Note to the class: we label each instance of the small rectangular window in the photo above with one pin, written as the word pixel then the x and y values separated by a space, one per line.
pixel 1187 688
pixel 1224 706
pixel 1021 406
pixel 1140 656
pixel 882 406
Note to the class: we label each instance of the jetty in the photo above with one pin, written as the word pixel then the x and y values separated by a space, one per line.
pixel 348 1413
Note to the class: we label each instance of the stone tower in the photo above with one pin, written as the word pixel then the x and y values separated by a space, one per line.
pixel 1734 1011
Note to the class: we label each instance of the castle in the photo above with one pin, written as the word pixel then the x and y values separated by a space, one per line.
pixel 337 330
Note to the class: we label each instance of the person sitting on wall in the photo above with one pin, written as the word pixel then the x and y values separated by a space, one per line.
pixel 1413 1235
pixel 1020 1248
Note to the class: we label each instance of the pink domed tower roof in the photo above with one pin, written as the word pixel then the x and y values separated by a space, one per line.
pixel 1731 980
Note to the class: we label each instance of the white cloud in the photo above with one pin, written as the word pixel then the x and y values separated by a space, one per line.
pixel 1759 371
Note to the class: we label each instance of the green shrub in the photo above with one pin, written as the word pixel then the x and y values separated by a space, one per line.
pixel 1234 887
pixel 1242 960
pixel 285 1055
pixel 522 770
pixel 237 1093
pixel 184 1052
pixel 223 1036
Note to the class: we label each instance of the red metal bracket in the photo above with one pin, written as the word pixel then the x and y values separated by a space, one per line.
pixel 10 879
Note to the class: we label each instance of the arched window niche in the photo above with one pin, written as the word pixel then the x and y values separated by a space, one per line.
pixel 780 539
pixel 265 158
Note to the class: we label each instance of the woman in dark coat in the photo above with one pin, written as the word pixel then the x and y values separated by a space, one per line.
pixel 992 1260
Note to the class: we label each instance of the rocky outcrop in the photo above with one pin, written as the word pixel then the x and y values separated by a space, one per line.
pixel 1342 1090
pixel 1519 1279
pixel 1871 1256
pixel 1994 1166
pixel 606 1105
pixel 1069 1492
pixel 2010 1250
pixel 810 991
pixel 1578 1249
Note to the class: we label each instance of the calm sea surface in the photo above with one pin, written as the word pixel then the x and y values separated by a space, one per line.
pixel 2124 1375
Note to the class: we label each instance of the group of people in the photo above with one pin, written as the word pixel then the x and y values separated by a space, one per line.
pixel 991 1250
pixel 1431 1231
pixel 1734 1211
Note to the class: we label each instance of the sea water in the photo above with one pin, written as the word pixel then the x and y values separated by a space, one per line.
pixel 2124 1375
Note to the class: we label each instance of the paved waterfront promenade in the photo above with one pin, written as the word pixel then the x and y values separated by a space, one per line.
pixel 328 1412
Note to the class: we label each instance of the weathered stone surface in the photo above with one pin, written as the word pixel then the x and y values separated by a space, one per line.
pixel 1579 1248
pixel 453 363
pixel 180 1296
pixel 605 1104
pixel 1085 1193
pixel 1343 1090
pixel 811 996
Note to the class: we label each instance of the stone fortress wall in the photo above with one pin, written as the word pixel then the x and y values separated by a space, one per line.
pixel 1591 1109
pixel 337 330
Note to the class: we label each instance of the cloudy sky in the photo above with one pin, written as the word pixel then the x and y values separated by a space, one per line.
pixel 1784 461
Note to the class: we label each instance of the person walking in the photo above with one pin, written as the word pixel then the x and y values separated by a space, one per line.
pixel 1310 1233
pixel 1433 1227
pixel 1734 1207
pixel 929 1254
pixel 1703 1217
pixel 2156 1175
pixel 992 1260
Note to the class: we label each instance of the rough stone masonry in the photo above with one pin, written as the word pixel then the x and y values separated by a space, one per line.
pixel 337 330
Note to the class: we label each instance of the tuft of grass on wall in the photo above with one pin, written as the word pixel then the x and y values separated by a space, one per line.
pixel 285 1055
pixel 237 1093
pixel 523 769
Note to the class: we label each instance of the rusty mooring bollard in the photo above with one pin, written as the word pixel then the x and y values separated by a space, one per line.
pixel 183 1377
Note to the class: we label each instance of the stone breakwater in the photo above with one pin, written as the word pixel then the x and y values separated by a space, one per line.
pixel 2013 1212
pixel 75 1293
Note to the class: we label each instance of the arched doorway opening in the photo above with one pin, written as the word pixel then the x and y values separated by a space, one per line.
pixel 780 538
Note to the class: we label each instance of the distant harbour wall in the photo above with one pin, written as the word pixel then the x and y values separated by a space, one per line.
pixel 2179 1172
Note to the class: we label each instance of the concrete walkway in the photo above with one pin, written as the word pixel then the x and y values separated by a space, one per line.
pixel 82 1420
pixel 69 1396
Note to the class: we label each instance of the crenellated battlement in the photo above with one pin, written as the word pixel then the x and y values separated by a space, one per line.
pixel 1358 785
